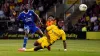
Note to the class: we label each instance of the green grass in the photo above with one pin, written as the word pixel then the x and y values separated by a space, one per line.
pixel 75 48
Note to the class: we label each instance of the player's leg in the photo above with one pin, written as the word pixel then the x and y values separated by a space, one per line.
pixel 33 49
pixel 43 42
pixel 40 44
pixel 26 29
pixel 37 43
pixel 39 31
pixel 49 48
pixel 32 30
pixel 25 39
pixel 38 48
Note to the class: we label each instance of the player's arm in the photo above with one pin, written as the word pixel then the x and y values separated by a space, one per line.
pixel 64 40
pixel 46 32
pixel 64 44
pixel 47 35
pixel 38 17
pixel 19 20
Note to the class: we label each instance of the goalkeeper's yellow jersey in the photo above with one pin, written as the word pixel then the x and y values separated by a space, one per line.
pixel 55 33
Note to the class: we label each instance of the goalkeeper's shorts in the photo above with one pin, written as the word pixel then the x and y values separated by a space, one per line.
pixel 44 42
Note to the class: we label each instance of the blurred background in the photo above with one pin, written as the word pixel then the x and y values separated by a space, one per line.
pixel 78 25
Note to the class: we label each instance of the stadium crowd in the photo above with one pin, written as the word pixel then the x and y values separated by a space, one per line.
pixel 7 7
pixel 90 21
pixel 10 9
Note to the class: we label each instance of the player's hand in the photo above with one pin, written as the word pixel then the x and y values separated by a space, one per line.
pixel 65 49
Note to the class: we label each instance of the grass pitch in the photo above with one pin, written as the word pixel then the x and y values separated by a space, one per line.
pixel 75 48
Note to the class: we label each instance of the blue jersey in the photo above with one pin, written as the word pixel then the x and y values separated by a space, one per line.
pixel 27 18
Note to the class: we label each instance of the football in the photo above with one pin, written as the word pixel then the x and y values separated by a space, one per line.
pixel 83 7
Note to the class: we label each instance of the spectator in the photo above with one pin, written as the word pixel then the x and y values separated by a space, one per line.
pixel 93 18
pixel 19 1
pixel 95 27
pixel 41 9
pixel 17 8
pixel 87 18
pixel 75 28
pixel 2 14
pixel 96 9
pixel 6 9
pixel 21 7
pixel 91 26
pixel 37 11
pixel 99 17
pixel 99 27
pixel 13 15
pixel 12 6
pixel 84 28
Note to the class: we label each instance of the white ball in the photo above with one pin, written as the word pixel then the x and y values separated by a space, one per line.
pixel 83 7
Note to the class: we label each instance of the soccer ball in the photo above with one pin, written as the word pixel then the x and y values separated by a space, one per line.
pixel 83 7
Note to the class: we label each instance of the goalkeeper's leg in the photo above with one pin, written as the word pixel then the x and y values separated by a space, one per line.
pixel 38 47
pixel 36 44
pixel 33 49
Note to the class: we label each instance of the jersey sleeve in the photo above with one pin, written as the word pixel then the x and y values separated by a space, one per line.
pixel 63 35
pixel 32 11
pixel 20 16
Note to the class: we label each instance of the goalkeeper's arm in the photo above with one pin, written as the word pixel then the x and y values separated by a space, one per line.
pixel 64 44
pixel 47 35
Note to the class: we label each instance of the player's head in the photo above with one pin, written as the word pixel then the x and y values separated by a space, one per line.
pixel 60 24
pixel 51 17
pixel 26 7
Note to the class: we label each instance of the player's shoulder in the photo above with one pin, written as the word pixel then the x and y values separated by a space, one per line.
pixel 31 10
pixel 62 31
pixel 21 13
pixel 53 26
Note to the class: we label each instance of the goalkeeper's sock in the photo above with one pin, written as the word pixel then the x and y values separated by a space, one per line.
pixel 25 41
pixel 29 50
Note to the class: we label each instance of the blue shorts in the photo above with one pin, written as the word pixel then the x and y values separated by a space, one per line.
pixel 30 29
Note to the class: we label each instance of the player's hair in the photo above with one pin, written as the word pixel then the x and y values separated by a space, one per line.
pixel 51 16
